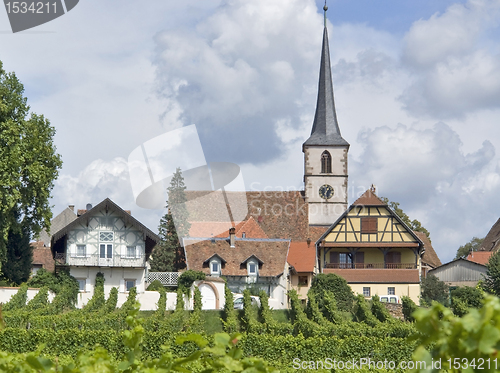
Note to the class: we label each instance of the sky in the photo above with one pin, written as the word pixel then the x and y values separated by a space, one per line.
pixel 417 92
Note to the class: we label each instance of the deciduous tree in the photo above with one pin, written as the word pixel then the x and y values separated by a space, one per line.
pixel 473 245
pixel 29 163
pixel 414 224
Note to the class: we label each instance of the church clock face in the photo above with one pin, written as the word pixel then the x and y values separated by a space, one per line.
pixel 326 191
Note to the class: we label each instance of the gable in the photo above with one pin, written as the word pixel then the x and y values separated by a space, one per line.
pixel 362 224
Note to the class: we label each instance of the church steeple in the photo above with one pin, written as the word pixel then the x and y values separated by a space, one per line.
pixel 325 153
pixel 325 130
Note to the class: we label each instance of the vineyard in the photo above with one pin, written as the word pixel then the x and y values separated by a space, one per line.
pixel 38 336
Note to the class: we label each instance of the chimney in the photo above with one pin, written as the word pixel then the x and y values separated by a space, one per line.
pixel 308 241
pixel 232 236
pixel 72 207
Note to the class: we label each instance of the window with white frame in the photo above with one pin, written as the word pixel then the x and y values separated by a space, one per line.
pixel 131 252
pixel 252 267
pixel 80 250
pixel 366 292
pixel 129 284
pixel 105 251
pixel 81 284
pixel 215 267
pixel 391 291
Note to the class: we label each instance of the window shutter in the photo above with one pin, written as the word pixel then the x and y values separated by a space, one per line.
pixel 334 257
pixel 72 250
pixel 140 286
pixel 138 251
pixel 397 257
pixel 389 258
pixel 122 286
pixel 88 285
pixel 360 259
pixel 123 251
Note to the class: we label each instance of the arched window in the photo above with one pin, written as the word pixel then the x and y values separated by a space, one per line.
pixel 326 163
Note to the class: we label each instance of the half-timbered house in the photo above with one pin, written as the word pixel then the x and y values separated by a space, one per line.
pixel 373 249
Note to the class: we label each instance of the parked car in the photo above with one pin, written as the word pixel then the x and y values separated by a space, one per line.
pixel 389 299
pixel 238 301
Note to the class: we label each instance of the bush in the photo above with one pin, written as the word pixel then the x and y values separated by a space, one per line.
pixel 187 278
pixel 40 300
pixel 409 307
pixel 130 302
pixel 230 321
pixel 110 305
pixel 433 289
pixel 379 310
pixel 18 300
pixel 362 311
pixel 156 285
pixel 472 297
pixel 161 306
pixel 335 284
pixel 97 301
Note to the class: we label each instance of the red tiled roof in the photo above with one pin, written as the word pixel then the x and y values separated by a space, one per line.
pixel 377 276
pixel 251 229
pixel 480 257
pixel 430 257
pixel 272 253
pixel 369 198
pixel 42 256
pixel 279 214
pixel 302 256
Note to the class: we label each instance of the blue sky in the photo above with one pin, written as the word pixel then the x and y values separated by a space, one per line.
pixel 417 90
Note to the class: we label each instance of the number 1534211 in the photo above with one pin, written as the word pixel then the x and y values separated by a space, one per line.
pixel 31 7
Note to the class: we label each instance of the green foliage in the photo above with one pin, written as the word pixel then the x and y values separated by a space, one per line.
pixel 492 279
pixel 63 301
pixel 312 309
pixel 456 340
pixel 230 321
pixel 414 224
pixel 168 255
pixel 197 299
pixel 18 300
pixel 472 297
pixel 162 302
pixel 330 310
pixel 362 311
pixel 40 300
pixel 409 307
pixel 17 268
pixel 248 321
pixel 130 302
pixel 156 285
pixel 110 305
pixel 433 289
pixel 179 305
pixel 56 283
pixel 187 278
pixel 97 301
pixel 379 310
pixel 473 245
pixel 195 321
pixel 335 284
pixel 265 314
pixel 29 163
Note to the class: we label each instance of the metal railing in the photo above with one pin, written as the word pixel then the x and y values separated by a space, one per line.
pixel 371 265
pixel 95 260
pixel 166 278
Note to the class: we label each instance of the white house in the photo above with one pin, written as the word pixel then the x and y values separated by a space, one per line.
pixel 105 239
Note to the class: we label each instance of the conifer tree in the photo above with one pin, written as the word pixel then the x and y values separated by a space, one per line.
pixel 168 255
pixel 17 268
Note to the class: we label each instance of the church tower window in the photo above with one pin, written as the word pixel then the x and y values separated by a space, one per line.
pixel 326 163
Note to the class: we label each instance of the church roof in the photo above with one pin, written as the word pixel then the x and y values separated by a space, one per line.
pixel 325 130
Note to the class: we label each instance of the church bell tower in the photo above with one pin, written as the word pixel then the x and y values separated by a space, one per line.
pixel 325 152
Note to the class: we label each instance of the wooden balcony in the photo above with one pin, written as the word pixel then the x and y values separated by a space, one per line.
pixel 371 265
pixel 94 260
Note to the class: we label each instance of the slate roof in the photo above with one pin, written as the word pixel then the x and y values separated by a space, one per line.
pixel 430 257
pixel 492 240
pixel 480 257
pixel 272 253
pixel 377 276
pixel 302 256
pixel 325 130
pixel 56 224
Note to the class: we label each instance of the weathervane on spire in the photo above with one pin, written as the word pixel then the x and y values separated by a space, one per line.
pixel 325 8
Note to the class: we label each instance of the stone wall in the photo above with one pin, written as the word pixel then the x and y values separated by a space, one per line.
pixel 395 309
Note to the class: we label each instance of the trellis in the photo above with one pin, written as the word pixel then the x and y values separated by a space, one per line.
pixel 166 278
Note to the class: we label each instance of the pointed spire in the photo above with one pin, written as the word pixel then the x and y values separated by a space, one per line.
pixel 325 130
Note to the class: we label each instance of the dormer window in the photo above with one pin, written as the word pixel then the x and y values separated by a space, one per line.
pixel 215 266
